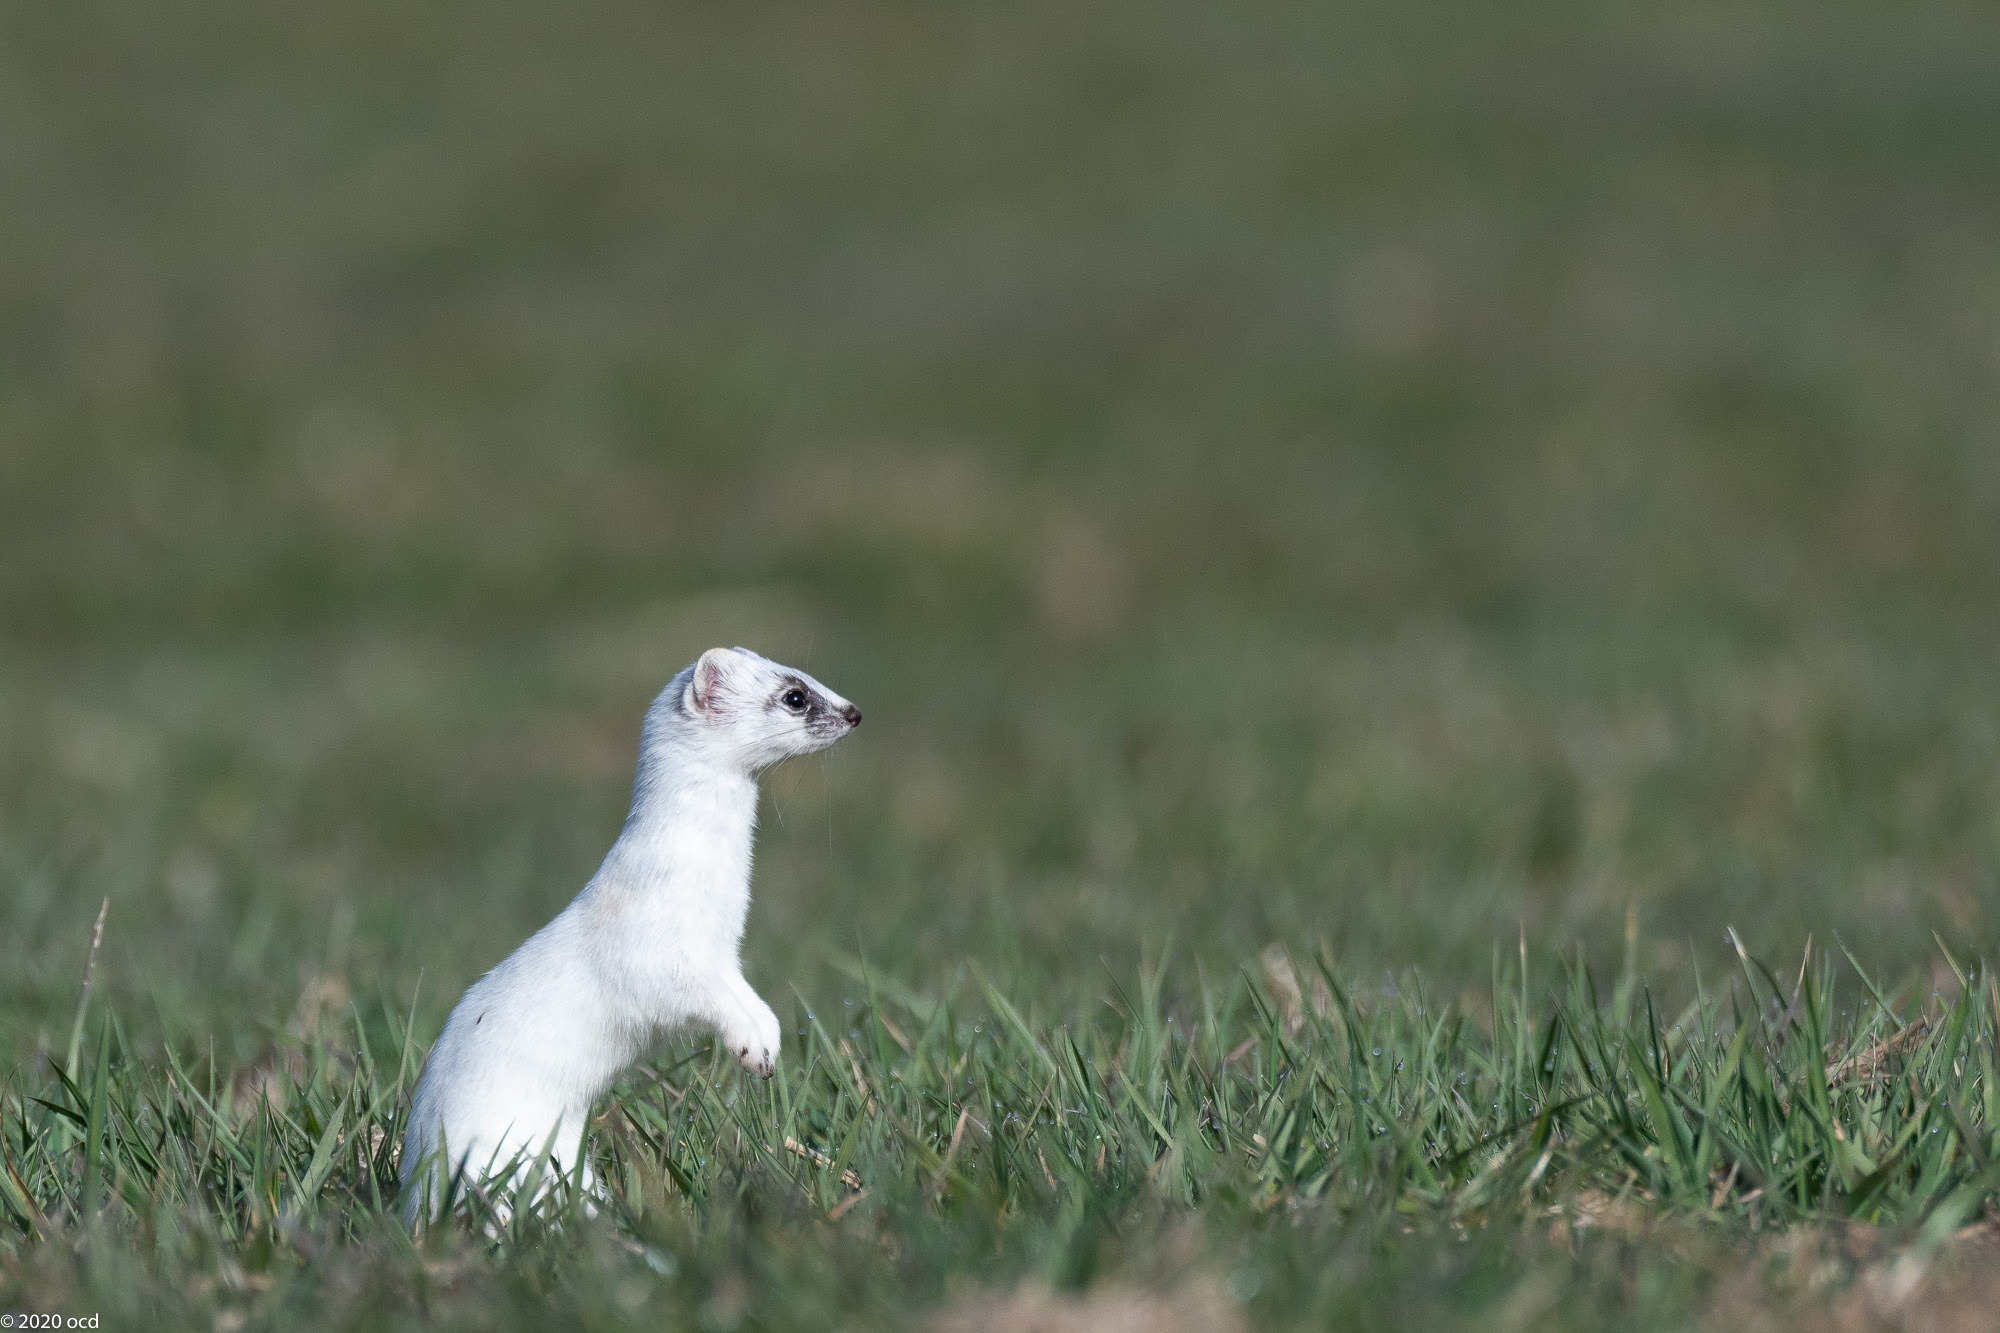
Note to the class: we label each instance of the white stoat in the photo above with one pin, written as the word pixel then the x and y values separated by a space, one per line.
pixel 650 945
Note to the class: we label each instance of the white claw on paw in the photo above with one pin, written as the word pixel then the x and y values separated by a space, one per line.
pixel 760 1061
pixel 755 1044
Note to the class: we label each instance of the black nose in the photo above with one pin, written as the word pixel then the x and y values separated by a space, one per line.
pixel 852 714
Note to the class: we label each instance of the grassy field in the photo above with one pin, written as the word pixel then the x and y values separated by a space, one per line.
pixel 1369 540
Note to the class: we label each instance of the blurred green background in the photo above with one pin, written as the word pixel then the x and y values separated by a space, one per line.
pixel 1387 475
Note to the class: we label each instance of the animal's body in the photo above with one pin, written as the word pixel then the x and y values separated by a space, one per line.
pixel 649 946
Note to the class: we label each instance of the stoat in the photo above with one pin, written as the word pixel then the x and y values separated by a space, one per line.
pixel 650 945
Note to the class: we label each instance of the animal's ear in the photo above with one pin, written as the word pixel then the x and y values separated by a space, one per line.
pixel 706 685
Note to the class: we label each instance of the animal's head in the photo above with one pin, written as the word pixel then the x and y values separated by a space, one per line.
pixel 756 711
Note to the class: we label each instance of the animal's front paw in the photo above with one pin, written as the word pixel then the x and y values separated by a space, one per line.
pixel 755 1039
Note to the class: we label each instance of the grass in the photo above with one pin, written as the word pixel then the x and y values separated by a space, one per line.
pixel 1388 482
pixel 1288 1119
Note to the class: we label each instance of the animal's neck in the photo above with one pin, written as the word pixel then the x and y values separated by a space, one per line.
pixel 691 823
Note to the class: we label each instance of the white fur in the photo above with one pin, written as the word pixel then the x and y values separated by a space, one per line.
pixel 650 944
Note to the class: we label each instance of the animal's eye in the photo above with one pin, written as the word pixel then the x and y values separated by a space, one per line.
pixel 794 699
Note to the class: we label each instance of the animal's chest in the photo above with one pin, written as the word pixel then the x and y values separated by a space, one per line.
pixel 689 909
pixel 672 896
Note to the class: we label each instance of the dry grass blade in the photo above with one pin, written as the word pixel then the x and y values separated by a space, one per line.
pixel 820 1159
pixel 1871 1062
